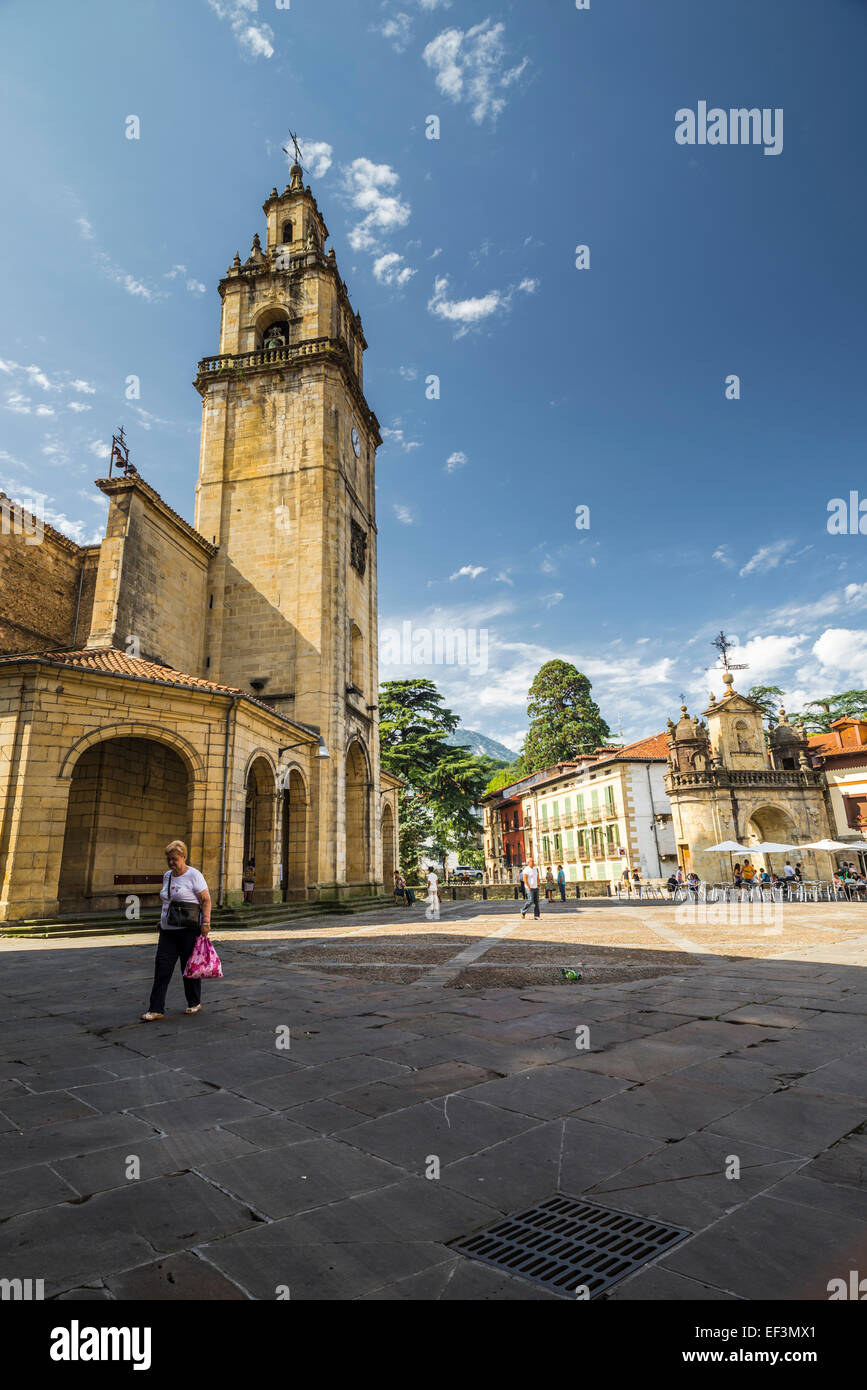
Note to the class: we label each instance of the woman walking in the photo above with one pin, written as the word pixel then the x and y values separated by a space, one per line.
pixel 186 913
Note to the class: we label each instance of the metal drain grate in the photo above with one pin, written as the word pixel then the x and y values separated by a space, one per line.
pixel 563 1243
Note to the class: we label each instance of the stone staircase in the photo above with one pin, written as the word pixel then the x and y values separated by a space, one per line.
pixel 86 924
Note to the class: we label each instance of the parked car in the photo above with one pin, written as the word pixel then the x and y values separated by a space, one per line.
pixel 465 873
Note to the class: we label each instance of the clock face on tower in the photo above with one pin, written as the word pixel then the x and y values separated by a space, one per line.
pixel 356 442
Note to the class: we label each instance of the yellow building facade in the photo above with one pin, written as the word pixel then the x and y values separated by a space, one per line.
pixel 214 682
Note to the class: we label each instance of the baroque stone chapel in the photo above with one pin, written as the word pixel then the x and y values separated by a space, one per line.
pixel 214 682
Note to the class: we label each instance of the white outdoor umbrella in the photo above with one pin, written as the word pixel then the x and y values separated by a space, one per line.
pixel 728 847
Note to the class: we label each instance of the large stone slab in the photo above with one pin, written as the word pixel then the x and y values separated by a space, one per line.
pixel 449 1129
pixel 685 1183
pixel 798 1120
pixel 547 1091
pixel 280 1182
pixel 764 1251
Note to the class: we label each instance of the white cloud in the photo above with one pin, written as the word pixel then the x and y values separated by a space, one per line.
pixel 471 66
pixel 86 228
pixel 404 515
pixel 100 450
pixel 398 29
pixel 252 39
pixel 318 156
pixel 503 578
pixel 396 437
pixel 49 409
pixel 765 659
pixel 78 406
pixel 409 373
pixel 455 460
pixel 371 189
pixel 83 387
pixel 470 313
pixel 767 557
pixel 723 555
pixel 390 269
pixel 843 650
pixel 470 571
pixel 18 404
pixel 196 287
pixel 551 600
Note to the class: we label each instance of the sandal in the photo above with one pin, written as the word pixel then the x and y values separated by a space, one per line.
pixel 193 1010
pixel 151 1018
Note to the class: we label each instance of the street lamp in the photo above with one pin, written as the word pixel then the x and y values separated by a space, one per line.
pixel 321 751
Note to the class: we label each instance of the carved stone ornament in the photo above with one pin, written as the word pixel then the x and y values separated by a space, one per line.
pixel 358 548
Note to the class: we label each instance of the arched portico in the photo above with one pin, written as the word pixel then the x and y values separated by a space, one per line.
pixel 358 822
pixel 295 807
pixel 259 826
pixel 127 797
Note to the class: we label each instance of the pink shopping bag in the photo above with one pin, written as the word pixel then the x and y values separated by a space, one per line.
pixel 204 963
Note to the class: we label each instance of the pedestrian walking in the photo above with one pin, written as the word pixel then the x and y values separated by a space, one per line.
pixel 186 913
pixel 399 888
pixel 561 880
pixel 530 880
pixel 250 881
pixel 432 911
pixel 550 885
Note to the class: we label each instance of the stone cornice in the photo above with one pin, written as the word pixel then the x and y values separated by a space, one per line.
pixel 135 483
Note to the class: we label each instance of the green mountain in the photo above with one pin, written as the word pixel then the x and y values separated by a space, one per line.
pixel 481 745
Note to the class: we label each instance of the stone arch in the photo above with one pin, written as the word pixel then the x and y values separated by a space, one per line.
pixel 260 802
pixel 295 808
pixel 358 823
pixel 767 821
pixel 389 859
pixel 128 796
pixel 136 729
pixel 274 316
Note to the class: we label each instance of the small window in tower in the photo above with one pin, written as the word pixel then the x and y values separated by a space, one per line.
pixel 211 601
pixel 287 231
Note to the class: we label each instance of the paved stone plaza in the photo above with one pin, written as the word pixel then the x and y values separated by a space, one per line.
pixel 265 1170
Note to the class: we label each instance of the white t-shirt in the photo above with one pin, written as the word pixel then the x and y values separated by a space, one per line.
pixel 789 871
pixel 433 886
pixel 182 889
pixel 531 877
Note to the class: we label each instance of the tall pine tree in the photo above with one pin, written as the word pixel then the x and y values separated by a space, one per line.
pixel 564 721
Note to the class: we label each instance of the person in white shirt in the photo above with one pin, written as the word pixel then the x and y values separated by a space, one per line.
pixel 432 911
pixel 186 913
pixel 530 880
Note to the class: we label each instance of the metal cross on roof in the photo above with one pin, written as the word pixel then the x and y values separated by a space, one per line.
pixel 294 140
pixel 724 646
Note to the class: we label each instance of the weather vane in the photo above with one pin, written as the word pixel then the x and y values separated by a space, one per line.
pixel 724 646
pixel 294 140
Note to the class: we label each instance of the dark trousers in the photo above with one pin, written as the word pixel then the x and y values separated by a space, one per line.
pixel 174 946
pixel 562 892
pixel 531 896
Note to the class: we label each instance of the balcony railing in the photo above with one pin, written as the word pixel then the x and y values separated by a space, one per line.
pixel 595 813
pixel 269 357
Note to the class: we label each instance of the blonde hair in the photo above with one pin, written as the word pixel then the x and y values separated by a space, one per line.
pixel 178 845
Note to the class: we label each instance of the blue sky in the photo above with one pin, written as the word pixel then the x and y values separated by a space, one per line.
pixel 560 387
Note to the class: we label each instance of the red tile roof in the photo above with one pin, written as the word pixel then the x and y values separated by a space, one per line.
pixel 652 749
pixel 108 661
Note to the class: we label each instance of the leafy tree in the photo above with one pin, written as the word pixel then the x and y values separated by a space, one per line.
pixel 564 721
pixel 819 715
pixel 769 698
pixel 506 776
pixel 442 782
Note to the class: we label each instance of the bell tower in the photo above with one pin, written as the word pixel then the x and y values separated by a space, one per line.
pixel 286 494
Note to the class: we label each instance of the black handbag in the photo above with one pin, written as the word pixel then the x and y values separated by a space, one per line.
pixel 182 914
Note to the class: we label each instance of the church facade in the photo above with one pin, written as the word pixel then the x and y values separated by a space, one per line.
pixel 727 781
pixel 214 682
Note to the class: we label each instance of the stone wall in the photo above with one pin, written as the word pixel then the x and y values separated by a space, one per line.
pixel 152 581
pixel 41 590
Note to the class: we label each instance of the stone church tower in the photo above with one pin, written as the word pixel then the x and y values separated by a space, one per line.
pixel 286 493
pixel 214 682
pixel 727 781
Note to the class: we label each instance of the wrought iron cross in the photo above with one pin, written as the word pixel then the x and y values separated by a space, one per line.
pixel 724 646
